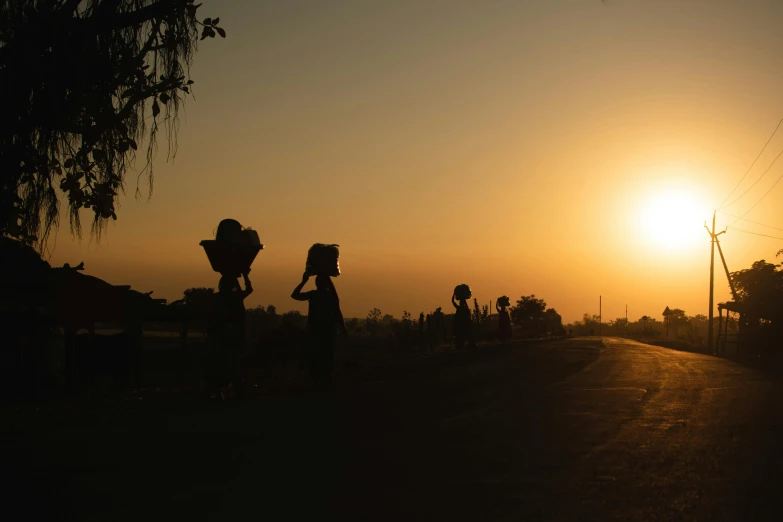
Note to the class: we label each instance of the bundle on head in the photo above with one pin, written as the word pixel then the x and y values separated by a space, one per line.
pixel 231 231
pixel 323 260
pixel 462 292
pixel 233 249
pixel 504 301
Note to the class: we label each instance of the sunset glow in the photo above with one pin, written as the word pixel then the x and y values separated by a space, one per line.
pixel 674 220
pixel 563 149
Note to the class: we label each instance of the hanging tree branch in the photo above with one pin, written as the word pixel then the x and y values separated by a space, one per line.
pixel 78 80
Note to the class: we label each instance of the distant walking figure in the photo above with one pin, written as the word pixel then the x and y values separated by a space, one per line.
pixel 324 318
pixel 504 321
pixel 462 325
pixel 230 330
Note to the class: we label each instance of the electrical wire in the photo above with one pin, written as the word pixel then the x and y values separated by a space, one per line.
pixel 749 221
pixel 755 182
pixel 752 164
pixel 754 233
pixel 760 199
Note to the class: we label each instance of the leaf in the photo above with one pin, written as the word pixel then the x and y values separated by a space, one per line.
pixel 124 146
pixel 68 163
pixel 155 108
pixel 208 21
pixel 215 21
pixel 221 31
pixel 190 82
pixel 164 98
pixel 58 170
pixel 132 144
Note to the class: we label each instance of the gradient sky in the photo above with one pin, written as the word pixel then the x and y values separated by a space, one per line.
pixel 514 146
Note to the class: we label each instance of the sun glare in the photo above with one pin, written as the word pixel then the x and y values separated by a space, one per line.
pixel 674 220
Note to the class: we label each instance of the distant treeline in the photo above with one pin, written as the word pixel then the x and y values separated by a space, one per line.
pixel 530 316
pixel 678 325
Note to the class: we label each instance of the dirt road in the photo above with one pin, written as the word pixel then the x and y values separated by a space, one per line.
pixel 570 430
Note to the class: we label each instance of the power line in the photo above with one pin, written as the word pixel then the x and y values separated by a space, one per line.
pixel 761 198
pixel 752 164
pixel 749 221
pixel 755 182
pixel 755 233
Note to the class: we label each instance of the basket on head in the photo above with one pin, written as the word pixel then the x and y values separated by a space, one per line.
pixel 229 257
pixel 462 292
pixel 234 248
pixel 504 301
pixel 323 259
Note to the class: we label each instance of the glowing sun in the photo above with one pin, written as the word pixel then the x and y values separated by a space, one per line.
pixel 674 219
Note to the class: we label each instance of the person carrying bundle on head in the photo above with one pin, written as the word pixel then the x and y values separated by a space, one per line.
pixel 324 317
pixel 504 321
pixel 230 254
pixel 462 324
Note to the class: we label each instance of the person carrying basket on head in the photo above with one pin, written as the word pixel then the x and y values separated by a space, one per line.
pixel 462 323
pixel 504 321
pixel 324 317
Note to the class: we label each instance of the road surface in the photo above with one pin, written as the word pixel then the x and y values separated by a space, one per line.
pixel 569 430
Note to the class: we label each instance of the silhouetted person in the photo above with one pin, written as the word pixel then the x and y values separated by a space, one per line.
pixel 504 322
pixel 462 326
pixel 230 330
pixel 324 319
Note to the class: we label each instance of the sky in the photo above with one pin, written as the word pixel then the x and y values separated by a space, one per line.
pixel 567 149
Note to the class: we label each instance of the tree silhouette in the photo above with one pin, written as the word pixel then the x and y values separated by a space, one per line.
pixel 82 84
pixel 194 296
pixel 554 322
pixel 529 313
pixel 760 288
pixel 677 319
pixel 373 321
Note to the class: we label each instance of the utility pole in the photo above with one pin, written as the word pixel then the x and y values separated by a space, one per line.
pixel 600 316
pixel 713 239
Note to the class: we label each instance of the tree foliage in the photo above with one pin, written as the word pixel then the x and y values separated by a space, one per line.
pixel 84 84
pixel 197 295
pixel 535 318
pixel 528 311
pixel 760 288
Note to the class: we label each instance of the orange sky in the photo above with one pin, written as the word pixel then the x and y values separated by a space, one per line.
pixel 514 146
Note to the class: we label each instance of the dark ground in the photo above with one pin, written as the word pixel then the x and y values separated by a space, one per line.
pixel 566 430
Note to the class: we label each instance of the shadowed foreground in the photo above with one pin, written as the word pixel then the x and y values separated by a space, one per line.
pixel 567 430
